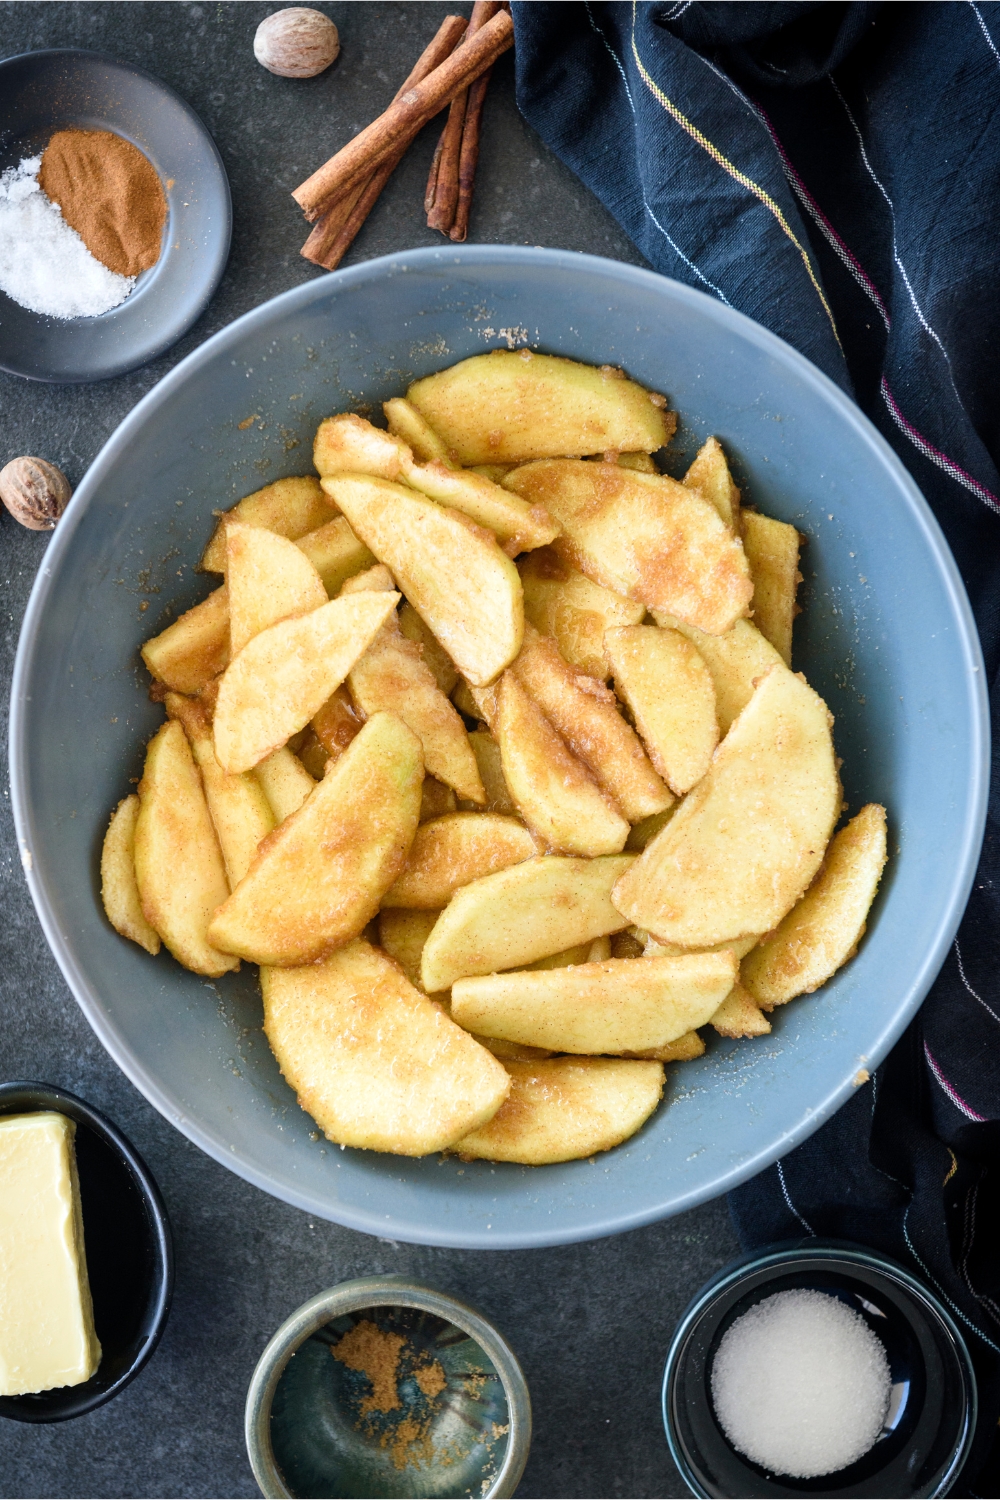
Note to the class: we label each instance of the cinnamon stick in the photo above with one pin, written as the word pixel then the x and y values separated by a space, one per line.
pixel 339 225
pixel 431 191
pixel 469 159
pixel 441 210
pixel 386 135
pixel 443 184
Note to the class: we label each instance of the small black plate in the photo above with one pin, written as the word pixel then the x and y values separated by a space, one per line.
pixel 42 92
pixel 130 1259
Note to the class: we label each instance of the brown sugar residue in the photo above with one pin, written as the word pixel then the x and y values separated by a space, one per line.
pixel 384 1358
pixel 374 1353
pixel 404 1437
pixel 431 1379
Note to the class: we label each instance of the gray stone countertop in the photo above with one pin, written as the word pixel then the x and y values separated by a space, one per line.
pixel 591 1323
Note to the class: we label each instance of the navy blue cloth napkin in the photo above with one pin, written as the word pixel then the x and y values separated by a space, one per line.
pixel 833 171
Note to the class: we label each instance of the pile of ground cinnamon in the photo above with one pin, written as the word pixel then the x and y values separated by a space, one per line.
pixel 109 193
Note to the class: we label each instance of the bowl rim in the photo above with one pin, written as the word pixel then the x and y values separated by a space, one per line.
pixel 382 1291
pixel 458 258
pixel 32 1097
pixel 776 1257
pixel 220 256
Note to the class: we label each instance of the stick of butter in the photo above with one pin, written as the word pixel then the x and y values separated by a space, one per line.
pixel 47 1333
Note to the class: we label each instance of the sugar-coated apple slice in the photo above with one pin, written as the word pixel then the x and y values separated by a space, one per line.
pixel 823 931
pixel 377 1064
pixel 403 932
pixel 772 549
pixel 586 714
pixel 620 1005
pixel 452 571
pixel 285 781
pixel 318 879
pixel 291 507
pixel 269 578
pixel 335 553
pixel 392 676
pixel 553 791
pixel 529 911
pixel 739 1015
pixel 709 475
pixel 565 1108
pixel 285 674
pixel 642 535
pixel 735 662
pixel 347 444
pixel 452 851
pixel 669 689
pixel 195 648
pixel 510 406
pixel 745 843
pixel 119 890
pixel 178 863
pixel 562 602
pixel 241 813
pixel 434 654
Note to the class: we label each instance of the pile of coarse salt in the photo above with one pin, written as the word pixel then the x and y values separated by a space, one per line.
pixel 44 264
pixel 801 1385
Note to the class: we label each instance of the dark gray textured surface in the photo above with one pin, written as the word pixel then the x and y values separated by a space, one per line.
pixel 591 1323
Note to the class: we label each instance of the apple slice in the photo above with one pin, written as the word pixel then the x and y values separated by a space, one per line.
pixel 119 890
pixel 391 676
pixel 269 578
pixel 282 678
pixel 566 1108
pixel 178 863
pixel 643 535
pixel 285 781
pixel 772 549
pixel 241 813
pixel 621 1005
pixel 347 444
pixel 195 648
pixel 739 1015
pixel 710 476
pixel 291 507
pixel 823 931
pixel 377 1064
pixel 552 790
pixel 452 572
pixel 562 602
pixel 586 714
pixel 669 689
pixel 318 879
pixel 736 662
pixel 449 852
pixel 335 553
pixel 745 843
pixel 403 934
pixel 506 406
pixel 531 910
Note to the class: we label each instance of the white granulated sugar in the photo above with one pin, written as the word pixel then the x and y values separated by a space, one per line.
pixel 801 1385
pixel 44 264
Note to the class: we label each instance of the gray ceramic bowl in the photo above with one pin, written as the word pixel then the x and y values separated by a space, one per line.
pixel 310 1429
pixel 886 636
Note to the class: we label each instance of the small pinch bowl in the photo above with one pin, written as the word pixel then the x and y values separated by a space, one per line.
pixel 932 1409
pixel 307 1433
pixel 130 1259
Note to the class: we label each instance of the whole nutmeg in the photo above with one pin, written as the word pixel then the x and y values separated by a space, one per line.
pixel 35 492
pixel 296 43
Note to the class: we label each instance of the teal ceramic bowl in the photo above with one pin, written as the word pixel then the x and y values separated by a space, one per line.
pixel 886 636
pixel 385 1387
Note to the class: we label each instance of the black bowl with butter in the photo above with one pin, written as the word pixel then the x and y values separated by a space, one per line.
pixel 129 1254
pixel 932 1412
